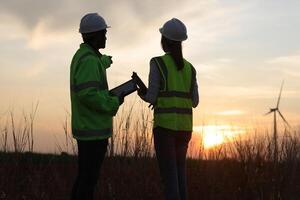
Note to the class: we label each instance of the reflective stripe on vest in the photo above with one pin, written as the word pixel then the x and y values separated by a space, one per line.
pixel 88 84
pixel 187 95
pixel 187 111
pixel 163 71
pixel 91 133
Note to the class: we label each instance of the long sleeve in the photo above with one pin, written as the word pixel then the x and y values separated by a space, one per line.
pixel 195 93
pixel 153 83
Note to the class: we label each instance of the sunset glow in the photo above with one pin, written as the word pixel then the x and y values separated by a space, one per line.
pixel 214 135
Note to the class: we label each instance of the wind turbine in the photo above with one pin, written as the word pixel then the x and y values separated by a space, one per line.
pixel 274 111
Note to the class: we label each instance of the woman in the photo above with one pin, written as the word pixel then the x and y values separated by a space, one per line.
pixel 173 91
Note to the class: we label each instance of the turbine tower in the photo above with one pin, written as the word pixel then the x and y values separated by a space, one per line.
pixel 275 111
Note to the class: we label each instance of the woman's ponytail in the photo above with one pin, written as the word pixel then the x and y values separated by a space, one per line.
pixel 175 50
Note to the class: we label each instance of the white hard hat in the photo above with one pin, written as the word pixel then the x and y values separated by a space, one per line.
pixel 174 29
pixel 92 22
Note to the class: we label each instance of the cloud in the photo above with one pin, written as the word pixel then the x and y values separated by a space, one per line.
pixel 288 64
pixel 131 21
pixel 41 38
pixel 11 29
pixel 64 14
pixel 30 12
pixel 216 21
pixel 239 92
pixel 293 59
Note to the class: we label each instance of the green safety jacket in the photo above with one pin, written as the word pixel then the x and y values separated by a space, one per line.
pixel 173 109
pixel 92 106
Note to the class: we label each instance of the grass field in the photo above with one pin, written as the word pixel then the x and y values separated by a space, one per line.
pixel 42 176
pixel 242 169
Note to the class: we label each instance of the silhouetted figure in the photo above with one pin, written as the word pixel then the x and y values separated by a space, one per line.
pixel 173 91
pixel 92 106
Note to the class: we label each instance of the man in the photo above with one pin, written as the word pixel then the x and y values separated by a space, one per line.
pixel 92 106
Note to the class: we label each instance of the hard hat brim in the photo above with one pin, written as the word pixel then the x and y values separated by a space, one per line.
pixel 170 38
pixel 94 30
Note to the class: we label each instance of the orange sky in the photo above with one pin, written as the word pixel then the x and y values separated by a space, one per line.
pixel 241 51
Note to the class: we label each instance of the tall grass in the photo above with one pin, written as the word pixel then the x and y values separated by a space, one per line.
pixel 245 163
pixel 21 131
pixel 4 137
pixel 132 136
pixel 69 145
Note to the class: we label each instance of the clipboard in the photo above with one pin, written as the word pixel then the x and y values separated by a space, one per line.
pixel 124 89
pixel 129 87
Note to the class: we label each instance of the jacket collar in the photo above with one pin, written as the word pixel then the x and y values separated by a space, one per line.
pixel 106 60
pixel 85 45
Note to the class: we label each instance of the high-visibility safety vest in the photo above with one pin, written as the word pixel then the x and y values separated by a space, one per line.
pixel 92 106
pixel 173 109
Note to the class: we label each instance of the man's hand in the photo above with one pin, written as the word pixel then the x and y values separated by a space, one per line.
pixel 106 60
pixel 111 61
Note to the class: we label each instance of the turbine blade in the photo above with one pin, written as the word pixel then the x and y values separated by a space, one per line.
pixel 278 101
pixel 283 118
pixel 268 113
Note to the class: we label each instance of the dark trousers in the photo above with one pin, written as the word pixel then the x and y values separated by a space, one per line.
pixel 171 148
pixel 90 157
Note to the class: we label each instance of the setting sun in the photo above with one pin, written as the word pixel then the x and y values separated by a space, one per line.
pixel 214 135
